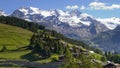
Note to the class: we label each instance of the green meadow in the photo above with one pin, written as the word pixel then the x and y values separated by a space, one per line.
pixel 13 37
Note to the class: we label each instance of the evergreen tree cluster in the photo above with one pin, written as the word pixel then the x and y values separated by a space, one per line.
pixel 74 42
pixel 83 61
pixel 44 45
pixel 21 23
pixel 113 56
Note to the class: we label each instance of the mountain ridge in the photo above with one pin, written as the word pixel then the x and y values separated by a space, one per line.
pixel 72 13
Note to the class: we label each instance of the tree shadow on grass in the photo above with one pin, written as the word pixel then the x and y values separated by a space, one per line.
pixel 30 57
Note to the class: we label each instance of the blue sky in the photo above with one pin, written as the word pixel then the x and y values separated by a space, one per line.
pixel 97 8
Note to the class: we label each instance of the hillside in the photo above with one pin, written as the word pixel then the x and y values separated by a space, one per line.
pixel 34 27
pixel 13 37
pixel 42 46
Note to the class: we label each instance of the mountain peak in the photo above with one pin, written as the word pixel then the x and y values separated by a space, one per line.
pixel 33 10
pixel 29 10
pixel 85 15
pixel 75 12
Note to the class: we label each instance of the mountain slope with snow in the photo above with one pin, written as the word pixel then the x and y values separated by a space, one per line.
pixel 110 23
pixel 74 18
pixel 72 22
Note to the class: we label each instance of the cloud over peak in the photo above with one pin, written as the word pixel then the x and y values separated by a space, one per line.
pixel 72 7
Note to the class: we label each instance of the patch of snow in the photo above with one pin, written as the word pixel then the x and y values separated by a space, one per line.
pixel 46 13
pixel 24 11
pixel 88 23
pixel 72 21
pixel 75 19
pixel 35 10
pixel 85 15
pixel 61 12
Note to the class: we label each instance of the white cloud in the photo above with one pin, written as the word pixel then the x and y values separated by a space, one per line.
pixel 82 7
pixel 72 7
pixel 96 5
pixel 103 6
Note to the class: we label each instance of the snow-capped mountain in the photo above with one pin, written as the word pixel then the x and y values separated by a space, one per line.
pixel 71 23
pixel 73 18
pixel 110 23
pixel 2 13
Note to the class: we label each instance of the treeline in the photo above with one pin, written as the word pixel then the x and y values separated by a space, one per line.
pixel 21 23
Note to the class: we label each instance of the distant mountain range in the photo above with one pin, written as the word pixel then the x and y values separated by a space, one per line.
pixel 72 23
pixel 75 24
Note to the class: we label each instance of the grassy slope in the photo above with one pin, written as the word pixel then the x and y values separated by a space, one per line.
pixel 13 37
pixel 13 55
